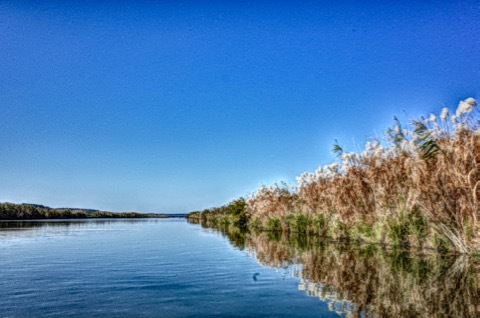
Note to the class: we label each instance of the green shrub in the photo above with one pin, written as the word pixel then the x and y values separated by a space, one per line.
pixel 274 225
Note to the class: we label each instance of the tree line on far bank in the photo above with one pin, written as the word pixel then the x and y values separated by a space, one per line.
pixel 25 211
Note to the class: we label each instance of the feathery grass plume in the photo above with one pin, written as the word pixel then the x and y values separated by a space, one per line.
pixel 444 114
pixel 465 107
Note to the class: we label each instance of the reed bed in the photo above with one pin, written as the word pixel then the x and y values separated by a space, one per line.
pixel 419 187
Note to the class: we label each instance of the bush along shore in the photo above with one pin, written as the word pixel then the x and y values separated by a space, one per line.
pixel 418 188
pixel 10 211
pixel 234 213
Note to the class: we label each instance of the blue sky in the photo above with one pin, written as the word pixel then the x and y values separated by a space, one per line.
pixel 159 106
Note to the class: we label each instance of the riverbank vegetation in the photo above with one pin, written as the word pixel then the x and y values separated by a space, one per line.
pixel 417 188
pixel 233 213
pixel 11 211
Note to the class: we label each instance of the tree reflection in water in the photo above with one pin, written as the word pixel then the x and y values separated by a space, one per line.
pixel 369 281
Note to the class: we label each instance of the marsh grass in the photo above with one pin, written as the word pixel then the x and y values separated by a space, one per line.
pixel 419 188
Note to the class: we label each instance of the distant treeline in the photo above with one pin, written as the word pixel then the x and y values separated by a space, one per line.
pixel 25 211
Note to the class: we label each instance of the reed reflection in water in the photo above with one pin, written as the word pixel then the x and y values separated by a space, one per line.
pixel 368 281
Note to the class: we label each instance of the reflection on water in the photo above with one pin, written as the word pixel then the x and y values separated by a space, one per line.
pixel 139 268
pixel 31 224
pixel 370 281
pixel 19 230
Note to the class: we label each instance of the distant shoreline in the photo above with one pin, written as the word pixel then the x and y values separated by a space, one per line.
pixel 28 212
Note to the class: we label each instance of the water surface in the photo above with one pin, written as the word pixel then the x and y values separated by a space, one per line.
pixel 170 268
pixel 138 268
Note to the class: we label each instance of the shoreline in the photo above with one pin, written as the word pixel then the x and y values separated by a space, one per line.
pixel 26 212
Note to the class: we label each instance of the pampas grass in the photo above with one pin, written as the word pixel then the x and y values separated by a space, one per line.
pixel 419 187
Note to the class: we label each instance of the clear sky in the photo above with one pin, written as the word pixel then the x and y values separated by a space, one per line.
pixel 157 106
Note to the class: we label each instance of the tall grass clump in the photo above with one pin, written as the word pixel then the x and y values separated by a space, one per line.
pixel 419 187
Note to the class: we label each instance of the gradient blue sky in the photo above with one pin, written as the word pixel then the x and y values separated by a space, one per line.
pixel 159 106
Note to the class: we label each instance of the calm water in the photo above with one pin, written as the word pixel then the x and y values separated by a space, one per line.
pixel 170 268
pixel 150 268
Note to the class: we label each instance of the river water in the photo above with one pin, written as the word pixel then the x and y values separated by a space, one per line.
pixel 171 268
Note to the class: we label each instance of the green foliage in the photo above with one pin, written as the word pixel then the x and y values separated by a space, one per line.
pixel 427 145
pixel 238 212
pixel 363 231
pixel 302 223
pixel 10 211
pixel 234 213
pixel 321 224
pixel 409 226
pixel 274 225
pixel 396 136
pixel 417 224
pixel 441 244
pixel 398 233
pixel 254 224
pixel 342 231
pixel 275 236
pixel 337 149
